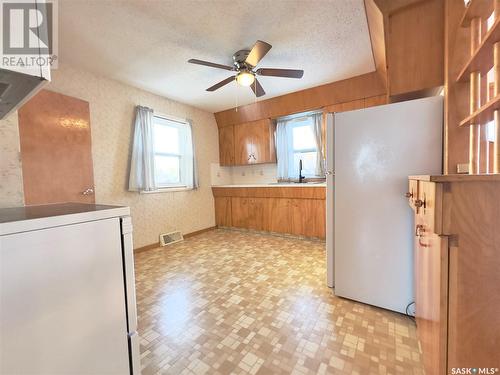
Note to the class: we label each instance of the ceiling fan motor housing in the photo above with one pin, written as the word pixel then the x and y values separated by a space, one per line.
pixel 239 59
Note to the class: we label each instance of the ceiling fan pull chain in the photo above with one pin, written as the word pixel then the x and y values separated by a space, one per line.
pixel 255 90
pixel 237 92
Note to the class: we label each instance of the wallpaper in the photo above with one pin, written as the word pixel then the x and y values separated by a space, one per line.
pixel 111 116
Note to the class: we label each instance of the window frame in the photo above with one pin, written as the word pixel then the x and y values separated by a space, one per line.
pixel 179 123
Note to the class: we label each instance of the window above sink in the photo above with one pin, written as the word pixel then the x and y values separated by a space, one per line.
pixel 300 138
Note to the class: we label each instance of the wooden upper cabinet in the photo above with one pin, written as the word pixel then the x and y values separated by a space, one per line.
pixel 415 47
pixel 243 143
pixel 226 145
pixel 254 142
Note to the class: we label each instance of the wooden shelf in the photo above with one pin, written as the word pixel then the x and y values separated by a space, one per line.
pixel 457 177
pixel 476 8
pixel 482 59
pixel 484 114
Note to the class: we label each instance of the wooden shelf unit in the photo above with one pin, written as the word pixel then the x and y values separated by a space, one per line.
pixel 476 9
pixel 484 55
pixel 482 59
pixel 484 114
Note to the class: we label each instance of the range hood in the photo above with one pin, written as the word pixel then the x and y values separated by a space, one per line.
pixel 20 80
pixel 16 88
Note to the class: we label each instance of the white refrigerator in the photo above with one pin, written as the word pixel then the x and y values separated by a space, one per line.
pixel 67 291
pixel 369 234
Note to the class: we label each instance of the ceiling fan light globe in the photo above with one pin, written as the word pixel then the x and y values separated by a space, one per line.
pixel 245 79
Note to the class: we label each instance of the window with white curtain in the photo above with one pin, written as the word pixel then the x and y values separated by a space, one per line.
pixel 299 138
pixel 173 153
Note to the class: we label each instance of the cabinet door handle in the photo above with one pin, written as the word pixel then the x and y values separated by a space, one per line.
pixel 419 229
pixel 419 203
pixel 88 191
pixel 409 195
pixel 421 244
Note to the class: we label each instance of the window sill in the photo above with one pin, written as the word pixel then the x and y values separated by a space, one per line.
pixel 167 190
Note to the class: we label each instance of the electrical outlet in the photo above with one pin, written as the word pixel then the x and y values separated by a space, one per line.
pixel 463 168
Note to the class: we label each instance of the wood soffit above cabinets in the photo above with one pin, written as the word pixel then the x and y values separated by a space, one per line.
pixel 375 20
pixel 363 86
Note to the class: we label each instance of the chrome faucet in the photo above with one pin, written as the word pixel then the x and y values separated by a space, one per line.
pixel 301 178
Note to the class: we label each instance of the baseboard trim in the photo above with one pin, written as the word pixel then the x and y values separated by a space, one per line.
pixel 187 235
pixel 192 234
pixel 147 247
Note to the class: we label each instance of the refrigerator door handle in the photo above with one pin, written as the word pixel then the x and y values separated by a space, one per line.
pixel 135 362
pixel 129 276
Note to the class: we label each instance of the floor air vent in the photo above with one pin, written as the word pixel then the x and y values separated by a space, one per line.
pixel 170 238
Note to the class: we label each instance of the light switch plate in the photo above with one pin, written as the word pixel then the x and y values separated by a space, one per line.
pixel 463 168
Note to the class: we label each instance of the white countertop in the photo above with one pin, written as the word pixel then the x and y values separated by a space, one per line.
pixel 28 218
pixel 280 185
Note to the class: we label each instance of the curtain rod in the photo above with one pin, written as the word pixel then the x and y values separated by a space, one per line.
pixel 171 118
pixel 299 115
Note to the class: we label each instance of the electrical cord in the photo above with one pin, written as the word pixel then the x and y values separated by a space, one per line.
pixel 412 317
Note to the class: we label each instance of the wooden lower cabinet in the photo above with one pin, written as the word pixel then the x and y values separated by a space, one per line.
pixel 431 294
pixel 457 277
pixel 223 215
pixel 249 213
pixel 278 216
pixel 271 211
pixel 308 217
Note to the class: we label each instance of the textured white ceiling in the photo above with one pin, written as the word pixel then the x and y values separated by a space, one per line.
pixel 147 43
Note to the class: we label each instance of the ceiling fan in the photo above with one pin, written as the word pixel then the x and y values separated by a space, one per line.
pixel 244 63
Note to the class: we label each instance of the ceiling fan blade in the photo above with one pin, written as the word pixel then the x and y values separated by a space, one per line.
pixel 210 64
pixel 221 83
pixel 288 73
pixel 258 51
pixel 257 89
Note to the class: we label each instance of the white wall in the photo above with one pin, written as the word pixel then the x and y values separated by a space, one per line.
pixel 112 113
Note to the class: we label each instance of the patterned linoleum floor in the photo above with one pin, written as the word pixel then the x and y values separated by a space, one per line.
pixel 228 302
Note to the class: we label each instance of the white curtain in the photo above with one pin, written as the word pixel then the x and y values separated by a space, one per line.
pixel 282 149
pixel 193 169
pixel 318 137
pixel 142 165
